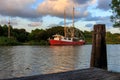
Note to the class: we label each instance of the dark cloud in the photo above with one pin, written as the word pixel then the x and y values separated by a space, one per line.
pixel 89 25
pixel 99 20
pixel 80 1
pixel 90 18
pixel 18 8
pixel 25 13
pixel 52 25
pixel 103 4
pixel 67 23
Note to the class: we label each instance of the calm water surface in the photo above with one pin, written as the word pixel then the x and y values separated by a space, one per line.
pixel 17 61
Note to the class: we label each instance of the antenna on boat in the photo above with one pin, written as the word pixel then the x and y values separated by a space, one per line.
pixel 9 28
pixel 65 23
pixel 73 15
pixel 72 35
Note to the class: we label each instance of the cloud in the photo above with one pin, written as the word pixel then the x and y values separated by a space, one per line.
pixel 52 25
pixel 13 21
pixel 114 30
pixel 80 1
pixel 29 9
pixel 23 8
pixel 103 4
pixel 68 22
pixel 56 8
pixel 89 25
pixel 19 8
pixel 35 23
pixel 83 1
pixel 98 20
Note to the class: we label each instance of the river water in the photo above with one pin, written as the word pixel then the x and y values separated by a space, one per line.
pixel 18 61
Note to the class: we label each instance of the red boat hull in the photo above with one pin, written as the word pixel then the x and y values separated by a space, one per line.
pixel 58 42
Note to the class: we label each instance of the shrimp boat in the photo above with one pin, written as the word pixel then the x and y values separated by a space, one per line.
pixel 69 37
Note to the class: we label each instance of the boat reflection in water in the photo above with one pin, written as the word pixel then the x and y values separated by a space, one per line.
pixel 63 59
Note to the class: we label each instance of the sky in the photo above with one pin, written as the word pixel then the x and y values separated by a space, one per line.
pixel 43 14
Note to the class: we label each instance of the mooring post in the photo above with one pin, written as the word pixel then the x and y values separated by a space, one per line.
pixel 99 53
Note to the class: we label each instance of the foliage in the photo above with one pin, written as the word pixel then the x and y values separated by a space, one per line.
pixel 112 38
pixel 115 6
pixel 88 36
pixel 20 34
pixel 8 41
pixel 38 35
pixel 55 30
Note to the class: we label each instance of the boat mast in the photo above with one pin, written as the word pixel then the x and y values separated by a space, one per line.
pixel 73 16
pixel 65 34
pixel 73 23
pixel 9 28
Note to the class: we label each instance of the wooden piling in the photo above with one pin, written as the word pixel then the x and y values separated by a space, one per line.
pixel 99 54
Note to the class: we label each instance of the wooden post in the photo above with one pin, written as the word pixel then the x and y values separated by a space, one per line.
pixel 99 54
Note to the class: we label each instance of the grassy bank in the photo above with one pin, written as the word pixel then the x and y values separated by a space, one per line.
pixel 42 42
pixel 8 41
pixel 11 41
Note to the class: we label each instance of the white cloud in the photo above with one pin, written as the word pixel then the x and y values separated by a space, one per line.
pixel 114 30
pixel 35 23
pixel 56 8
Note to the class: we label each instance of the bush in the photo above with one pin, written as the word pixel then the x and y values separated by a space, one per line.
pixel 8 41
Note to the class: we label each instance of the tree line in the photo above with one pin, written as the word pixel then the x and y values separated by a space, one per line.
pixel 41 36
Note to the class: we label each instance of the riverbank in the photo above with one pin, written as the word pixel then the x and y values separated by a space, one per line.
pixel 5 41
pixel 8 41
pixel 85 74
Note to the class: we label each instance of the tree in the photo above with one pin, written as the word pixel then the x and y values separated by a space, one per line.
pixel 38 35
pixel 1 31
pixel 55 30
pixel 5 30
pixel 115 6
pixel 20 34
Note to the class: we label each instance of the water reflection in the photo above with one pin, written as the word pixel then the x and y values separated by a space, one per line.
pixel 63 58
pixel 17 61
pixel 6 62
pixel 113 58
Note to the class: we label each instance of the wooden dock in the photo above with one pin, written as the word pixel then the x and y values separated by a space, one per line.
pixel 84 74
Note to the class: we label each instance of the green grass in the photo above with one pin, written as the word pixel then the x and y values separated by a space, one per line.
pixel 42 42
pixel 8 41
